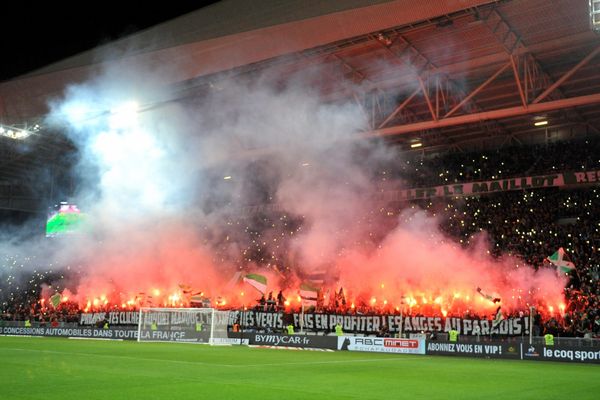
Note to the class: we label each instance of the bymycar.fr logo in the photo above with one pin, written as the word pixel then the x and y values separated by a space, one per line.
pixel 277 340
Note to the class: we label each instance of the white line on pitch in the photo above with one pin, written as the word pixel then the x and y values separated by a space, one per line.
pixel 362 360
pixel 330 362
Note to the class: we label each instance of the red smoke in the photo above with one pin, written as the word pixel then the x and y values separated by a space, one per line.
pixel 415 269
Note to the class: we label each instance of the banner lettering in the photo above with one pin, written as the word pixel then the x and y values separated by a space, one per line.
pixel 561 353
pixel 376 324
pixel 473 188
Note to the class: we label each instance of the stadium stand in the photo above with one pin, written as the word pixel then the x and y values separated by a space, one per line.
pixel 528 223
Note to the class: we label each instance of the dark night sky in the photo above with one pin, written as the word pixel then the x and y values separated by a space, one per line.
pixel 36 33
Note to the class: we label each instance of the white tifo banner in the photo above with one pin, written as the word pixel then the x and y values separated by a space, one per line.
pixel 381 345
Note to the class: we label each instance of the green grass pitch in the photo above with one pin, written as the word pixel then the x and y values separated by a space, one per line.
pixel 54 368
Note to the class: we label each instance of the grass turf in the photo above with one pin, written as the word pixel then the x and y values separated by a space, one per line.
pixel 54 368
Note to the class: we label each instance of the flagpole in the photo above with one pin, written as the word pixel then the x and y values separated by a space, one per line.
pixel 531 324
pixel 302 319
pixel 242 325
pixel 401 320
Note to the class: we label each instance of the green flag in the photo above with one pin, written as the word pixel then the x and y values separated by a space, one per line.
pixel 257 281
pixel 561 261
pixel 55 299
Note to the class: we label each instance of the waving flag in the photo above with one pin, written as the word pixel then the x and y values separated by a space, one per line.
pixel 197 297
pixel 560 259
pixel 55 299
pixel 488 296
pixel 257 281
pixel 309 294
pixel 497 318
pixel 185 289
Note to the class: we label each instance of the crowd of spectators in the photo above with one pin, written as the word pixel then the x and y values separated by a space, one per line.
pixel 507 162
pixel 34 310
pixel 530 224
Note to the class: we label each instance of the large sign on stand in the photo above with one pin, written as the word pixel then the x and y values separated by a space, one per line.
pixel 561 353
pixel 477 350
pixel 300 341
pixel 158 335
pixel 372 324
pixel 78 332
pixel 381 345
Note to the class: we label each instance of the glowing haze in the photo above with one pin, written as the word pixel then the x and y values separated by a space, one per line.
pixel 166 224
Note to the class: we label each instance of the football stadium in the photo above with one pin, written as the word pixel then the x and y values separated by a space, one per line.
pixel 355 199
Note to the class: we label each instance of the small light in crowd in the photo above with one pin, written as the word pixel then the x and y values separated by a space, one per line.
pixel 228 177
pixel 541 123
pixel 415 145
pixel 305 164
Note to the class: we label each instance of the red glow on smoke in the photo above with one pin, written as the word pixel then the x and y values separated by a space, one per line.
pixel 414 270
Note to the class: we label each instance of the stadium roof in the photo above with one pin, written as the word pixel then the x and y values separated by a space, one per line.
pixel 444 73
pixel 223 36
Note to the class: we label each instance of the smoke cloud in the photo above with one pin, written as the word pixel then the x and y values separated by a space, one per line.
pixel 167 184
